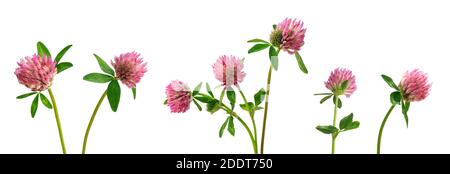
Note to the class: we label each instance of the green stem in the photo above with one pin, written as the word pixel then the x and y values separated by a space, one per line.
pixel 256 135
pixel 334 135
pixel 92 120
pixel 251 113
pixel 228 110
pixel 222 94
pixel 255 146
pixel 266 106
pixel 55 110
pixel 243 97
pixel 382 127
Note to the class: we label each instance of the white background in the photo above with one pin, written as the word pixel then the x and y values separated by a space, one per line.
pixel 182 39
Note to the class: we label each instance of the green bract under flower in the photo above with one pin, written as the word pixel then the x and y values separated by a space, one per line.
pixel 276 38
